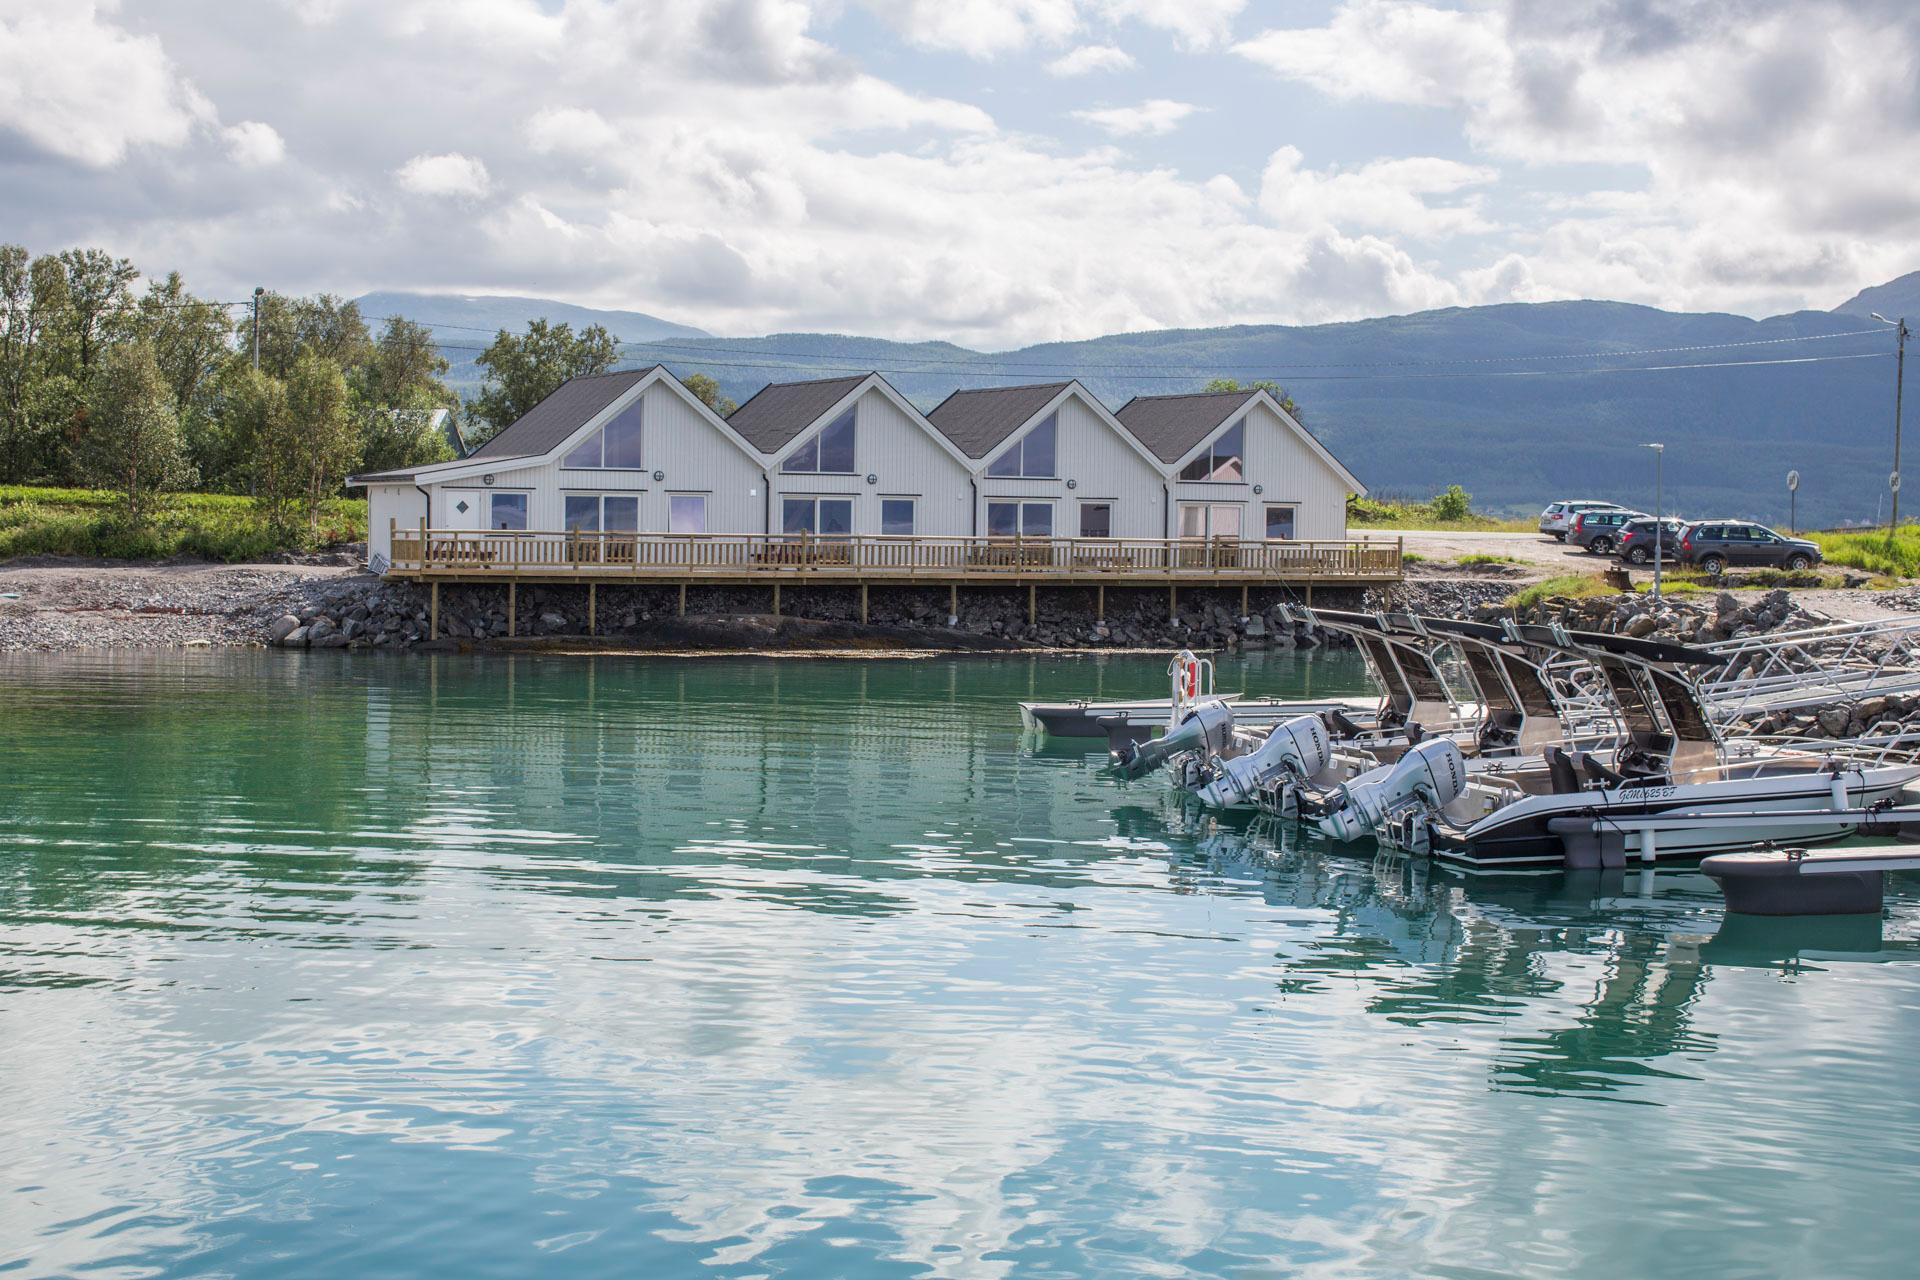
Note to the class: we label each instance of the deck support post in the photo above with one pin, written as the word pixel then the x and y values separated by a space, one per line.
pixel 1309 593
pixel 433 616
pixel 863 604
pixel 1173 603
pixel 953 599
pixel 683 599
pixel 776 599
pixel 1100 603
pixel 513 603
pixel 1033 603
pixel 593 600
pixel 1243 599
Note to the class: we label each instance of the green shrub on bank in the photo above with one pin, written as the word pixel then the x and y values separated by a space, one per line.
pixel 1569 586
pixel 1482 557
pixel 1450 510
pixel 1873 550
pixel 207 526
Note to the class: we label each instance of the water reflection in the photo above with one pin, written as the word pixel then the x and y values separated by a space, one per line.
pixel 809 968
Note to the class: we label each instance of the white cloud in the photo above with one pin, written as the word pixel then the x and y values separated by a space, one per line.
pixel 981 28
pixel 577 130
pixel 78 85
pixel 254 144
pixel 1088 58
pixel 450 174
pixel 1150 119
pixel 1393 196
pixel 1200 24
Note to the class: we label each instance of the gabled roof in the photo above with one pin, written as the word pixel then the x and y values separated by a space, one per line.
pixel 1171 426
pixel 544 426
pixel 779 411
pixel 980 421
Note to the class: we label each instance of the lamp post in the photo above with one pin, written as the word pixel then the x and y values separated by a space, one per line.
pixel 1900 334
pixel 1659 517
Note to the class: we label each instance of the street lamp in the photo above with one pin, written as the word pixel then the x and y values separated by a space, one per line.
pixel 1901 334
pixel 1659 517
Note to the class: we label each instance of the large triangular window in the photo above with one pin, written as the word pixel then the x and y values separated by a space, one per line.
pixel 828 452
pixel 1224 459
pixel 1033 454
pixel 616 445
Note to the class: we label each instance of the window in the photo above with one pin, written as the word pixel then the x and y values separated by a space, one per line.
pixel 1032 455
pixel 1224 459
pixel 1279 523
pixel 1020 519
pixel 1209 520
pixel 1096 519
pixel 615 445
pixel 896 516
pixel 507 511
pixel 829 452
pixel 594 513
pixel 827 517
pixel 687 513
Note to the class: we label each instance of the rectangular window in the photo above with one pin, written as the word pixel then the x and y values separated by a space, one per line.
pixel 1096 519
pixel 1280 523
pixel 829 452
pixel 826 517
pixel 1025 519
pixel 1033 455
pixel 583 513
pixel 620 515
pixel 687 513
pixel 896 516
pixel 1209 520
pixel 507 511
pixel 1224 459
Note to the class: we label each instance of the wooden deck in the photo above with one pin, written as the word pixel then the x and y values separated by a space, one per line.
pixel 713 559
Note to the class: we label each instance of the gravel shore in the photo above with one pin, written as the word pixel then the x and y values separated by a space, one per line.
pixel 54 606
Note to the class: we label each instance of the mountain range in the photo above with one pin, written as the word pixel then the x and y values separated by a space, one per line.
pixel 1520 403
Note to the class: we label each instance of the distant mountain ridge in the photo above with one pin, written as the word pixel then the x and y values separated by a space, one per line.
pixel 1519 402
pixel 1894 299
pixel 482 315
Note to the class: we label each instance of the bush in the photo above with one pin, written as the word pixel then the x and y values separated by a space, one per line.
pixel 223 527
pixel 1571 586
pixel 1454 504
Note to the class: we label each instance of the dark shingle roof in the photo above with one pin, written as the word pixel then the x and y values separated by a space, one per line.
pixel 780 411
pixel 979 421
pixel 1170 426
pixel 544 426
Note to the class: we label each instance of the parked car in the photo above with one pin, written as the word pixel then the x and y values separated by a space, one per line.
pixel 1559 515
pixel 1598 532
pixel 1717 545
pixel 1635 542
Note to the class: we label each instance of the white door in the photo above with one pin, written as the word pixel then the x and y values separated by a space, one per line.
pixel 466 509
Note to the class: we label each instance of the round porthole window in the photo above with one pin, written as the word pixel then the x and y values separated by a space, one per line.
pixel 1259 488
pixel 658 476
pixel 1073 484
pixel 487 478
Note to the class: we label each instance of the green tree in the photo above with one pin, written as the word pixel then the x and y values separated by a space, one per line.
pixel 400 398
pixel 132 440
pixel 325 325
pixel 1267 385
pixel 321 440
pixel 709 392
pixel 100 301
pixel 37 393
pixel 1454 504
pixel 522 371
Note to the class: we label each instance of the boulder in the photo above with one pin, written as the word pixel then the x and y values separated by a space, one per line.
pixel 282 627
pixel 332 640
pixel 1833 721
pixel 294 639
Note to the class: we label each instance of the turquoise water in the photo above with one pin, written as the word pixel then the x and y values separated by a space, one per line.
pixel 332 965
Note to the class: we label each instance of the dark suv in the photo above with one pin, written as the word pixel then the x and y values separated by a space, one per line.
pixel 1598 532
pixel 1717 545
pixel 1636 539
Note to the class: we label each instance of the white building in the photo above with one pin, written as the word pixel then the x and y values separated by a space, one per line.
pixel 1237 465
pixel 636 451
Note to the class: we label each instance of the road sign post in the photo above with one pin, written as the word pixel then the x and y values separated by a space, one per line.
pixel 1793 491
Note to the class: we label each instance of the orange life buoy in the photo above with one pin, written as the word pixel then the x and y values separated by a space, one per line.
pixel 1190 679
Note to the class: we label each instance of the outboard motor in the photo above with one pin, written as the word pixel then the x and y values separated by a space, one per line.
pixel 1434 772
pixel 1299 747
pixel 1205 729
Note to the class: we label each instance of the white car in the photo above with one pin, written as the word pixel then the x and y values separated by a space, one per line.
pixel 1559 515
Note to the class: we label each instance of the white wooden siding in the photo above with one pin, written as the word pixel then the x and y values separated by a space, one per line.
pixel 1289 472
pixel 905 462
pixel 1102 466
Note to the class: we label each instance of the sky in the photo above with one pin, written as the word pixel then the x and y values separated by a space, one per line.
pixel 989 172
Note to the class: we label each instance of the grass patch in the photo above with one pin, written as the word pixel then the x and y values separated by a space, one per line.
pixel 206 526
pixel 1873 550
pixel 1568 586
pixel 1401 513
pixel 1482 557
pixel 1676 587
pixel 1412 557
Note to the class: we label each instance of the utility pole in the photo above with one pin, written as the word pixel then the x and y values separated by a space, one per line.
pixel 1900 334
pixel 257 291
pixel 1659 517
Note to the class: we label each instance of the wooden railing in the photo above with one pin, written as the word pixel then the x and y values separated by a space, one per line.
pixel 442 552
